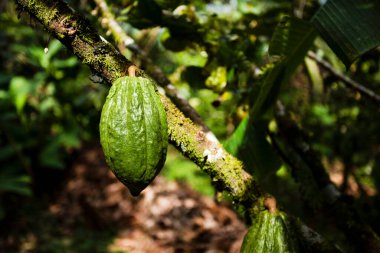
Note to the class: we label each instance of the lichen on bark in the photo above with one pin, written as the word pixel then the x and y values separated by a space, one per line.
pixel 77 34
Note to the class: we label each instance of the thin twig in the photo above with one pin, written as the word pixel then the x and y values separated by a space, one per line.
pixel 348 81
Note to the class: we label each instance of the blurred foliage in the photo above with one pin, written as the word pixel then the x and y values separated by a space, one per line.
pixel 48 106
pixel 180 169
pixel 232 60
pixel 45 233
pixel 255 53
pixel 335 23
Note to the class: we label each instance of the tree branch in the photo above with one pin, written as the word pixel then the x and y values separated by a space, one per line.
pixel 227 172
pixel 349 82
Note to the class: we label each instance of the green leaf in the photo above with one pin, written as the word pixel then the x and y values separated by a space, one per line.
pixel 237 138
pixel 10 182
pixel 3 95
pixel 249 144
pixel 48 104
pixel 54 47
pixel 315 76
pixel 350 27
pixel 65 63
pixel 259 7
pixel 189 57
pixel 70 139
pixel 19 90
pixel 217 80
pixel 290 37
pixel 270 87
pixel 291 41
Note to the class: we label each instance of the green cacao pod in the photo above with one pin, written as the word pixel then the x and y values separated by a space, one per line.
pixel 133 132
pixel 270 233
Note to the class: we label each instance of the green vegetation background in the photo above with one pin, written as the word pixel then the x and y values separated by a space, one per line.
pixel 50 102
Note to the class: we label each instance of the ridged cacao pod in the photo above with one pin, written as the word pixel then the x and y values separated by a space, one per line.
pixel 270 233
pixel 133 132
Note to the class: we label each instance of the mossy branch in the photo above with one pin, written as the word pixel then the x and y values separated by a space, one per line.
pixel 226 171
pixel 76 33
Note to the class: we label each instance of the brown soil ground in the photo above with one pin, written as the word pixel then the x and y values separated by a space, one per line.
pixel 167 217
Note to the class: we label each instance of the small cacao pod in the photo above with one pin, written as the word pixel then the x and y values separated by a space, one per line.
pixel 270 233
pixel 133 132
